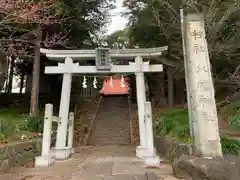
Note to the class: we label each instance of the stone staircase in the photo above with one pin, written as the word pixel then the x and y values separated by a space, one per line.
pixel 112 124
pixel 85 113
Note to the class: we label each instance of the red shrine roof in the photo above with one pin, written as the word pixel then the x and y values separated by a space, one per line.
pixel 115 86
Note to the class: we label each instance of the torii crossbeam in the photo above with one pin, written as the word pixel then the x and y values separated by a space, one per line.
pixel 74 68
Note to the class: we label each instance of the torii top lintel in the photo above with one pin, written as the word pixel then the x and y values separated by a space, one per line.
pixel 127 54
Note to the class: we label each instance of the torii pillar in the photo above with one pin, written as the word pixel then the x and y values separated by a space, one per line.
pixel 62 152
pixel 141 99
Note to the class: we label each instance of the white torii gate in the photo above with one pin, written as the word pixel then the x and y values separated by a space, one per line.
pixel 138 67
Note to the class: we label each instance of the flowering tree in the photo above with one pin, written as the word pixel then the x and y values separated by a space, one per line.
pixel 33 23
pixel 25 20
pixel 31 11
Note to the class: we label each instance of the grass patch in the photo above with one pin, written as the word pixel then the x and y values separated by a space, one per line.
pixel 14 122
pixel 173 123
pixel 230 146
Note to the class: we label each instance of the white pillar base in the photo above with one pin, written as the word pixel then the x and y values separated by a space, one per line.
pixel 152 161
pixel 72 150
pixel 44 161
pixel 68 152
pixel 141 151
pixel 62 154
pixel 151 153
pixel 52 152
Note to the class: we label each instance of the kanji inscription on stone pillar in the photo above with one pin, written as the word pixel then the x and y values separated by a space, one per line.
pixel 203 96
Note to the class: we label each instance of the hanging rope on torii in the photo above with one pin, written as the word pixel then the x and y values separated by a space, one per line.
pixel 103 65
pixel 112 85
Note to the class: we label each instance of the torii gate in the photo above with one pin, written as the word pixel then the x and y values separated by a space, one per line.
pixel 103 58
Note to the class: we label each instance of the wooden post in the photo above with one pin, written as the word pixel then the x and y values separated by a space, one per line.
pixel 46 159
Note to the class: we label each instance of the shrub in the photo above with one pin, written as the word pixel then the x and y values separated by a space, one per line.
pixel 14 122
pixel 174 124
pixel 7 128
pixel 33 124
pixel 230 146
pixel 234 115
pixel 181 133
pixel 234 121
pixel 233 108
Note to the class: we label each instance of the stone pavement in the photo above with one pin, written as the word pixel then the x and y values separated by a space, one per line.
pixel 96 163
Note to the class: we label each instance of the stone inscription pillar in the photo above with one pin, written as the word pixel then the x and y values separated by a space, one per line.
pixel 205 125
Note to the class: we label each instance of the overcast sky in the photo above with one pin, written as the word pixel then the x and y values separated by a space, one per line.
pixel 118 22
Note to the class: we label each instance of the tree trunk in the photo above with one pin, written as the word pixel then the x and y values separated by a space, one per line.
pixel 10 80
pixel 3 70
pixel 159 90
pixel 36 75
pixel 170 87
pixel 22 82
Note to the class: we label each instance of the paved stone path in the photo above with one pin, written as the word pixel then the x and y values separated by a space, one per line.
pixel 95 163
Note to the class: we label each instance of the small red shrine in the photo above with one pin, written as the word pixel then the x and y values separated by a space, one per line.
pixel 115 86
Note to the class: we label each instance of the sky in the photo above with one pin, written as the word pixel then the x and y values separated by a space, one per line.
pixel 118 22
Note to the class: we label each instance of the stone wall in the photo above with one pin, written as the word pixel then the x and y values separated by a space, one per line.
pixel 172 149
pixel 188 166
pixel 18 154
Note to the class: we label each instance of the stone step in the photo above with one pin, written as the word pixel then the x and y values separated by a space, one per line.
pixel 112 125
